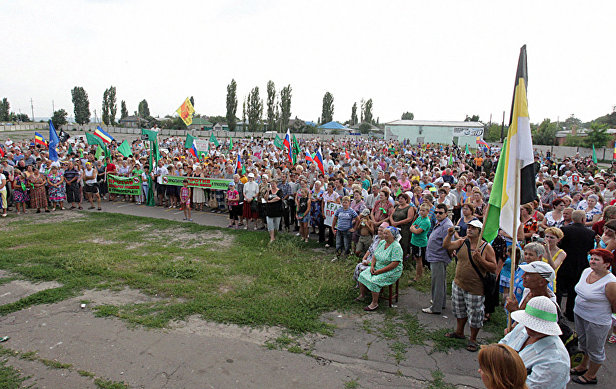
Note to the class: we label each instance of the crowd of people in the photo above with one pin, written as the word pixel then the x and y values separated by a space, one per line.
pixel 395 206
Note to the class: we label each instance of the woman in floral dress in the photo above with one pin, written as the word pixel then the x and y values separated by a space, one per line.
pixel 57 190
pixel 38 197
pixel 20 192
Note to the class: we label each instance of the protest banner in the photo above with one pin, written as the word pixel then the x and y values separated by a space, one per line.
pixel 330 209
pixel 124 185
pixel 198 182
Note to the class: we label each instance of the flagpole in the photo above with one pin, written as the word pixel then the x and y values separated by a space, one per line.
pixel 516 225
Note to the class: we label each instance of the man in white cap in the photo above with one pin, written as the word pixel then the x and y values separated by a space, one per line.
pixel 537 275
pixel 475 258
pixel 536 339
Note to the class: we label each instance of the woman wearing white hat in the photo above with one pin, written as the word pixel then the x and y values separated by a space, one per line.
pixel 536 340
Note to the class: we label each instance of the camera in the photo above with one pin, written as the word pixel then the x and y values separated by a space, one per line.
pixel 537 238
pixel 456 228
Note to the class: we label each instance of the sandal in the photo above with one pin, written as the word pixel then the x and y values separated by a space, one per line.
pixel 582 380
pixel 359 299
pixel 453 335
pixel 80 207
pixel 577 372
pixel 472 346
pixel 368 309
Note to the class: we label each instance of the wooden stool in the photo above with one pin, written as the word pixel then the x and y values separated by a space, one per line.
pixel 391 295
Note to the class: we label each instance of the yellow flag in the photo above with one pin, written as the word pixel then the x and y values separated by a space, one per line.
pixel 186 111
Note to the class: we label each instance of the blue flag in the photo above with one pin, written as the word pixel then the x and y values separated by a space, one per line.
pixel 53 142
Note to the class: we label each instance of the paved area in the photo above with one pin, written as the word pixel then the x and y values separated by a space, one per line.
pixel 199 354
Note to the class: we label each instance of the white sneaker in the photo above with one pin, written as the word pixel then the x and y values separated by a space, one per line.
pixel 327 245
pixel 246 227
pixel 297 234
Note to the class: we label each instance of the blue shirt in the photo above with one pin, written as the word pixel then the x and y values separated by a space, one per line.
pixel 435 252
pixel 345 218
pixel 547 359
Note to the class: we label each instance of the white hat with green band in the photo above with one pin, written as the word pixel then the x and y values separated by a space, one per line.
pixel 540 315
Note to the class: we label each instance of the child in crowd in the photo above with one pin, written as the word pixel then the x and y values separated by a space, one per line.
pixel 505 273
pixel 185 200
pixel 344 219
pixel 233 198
pixel 419 239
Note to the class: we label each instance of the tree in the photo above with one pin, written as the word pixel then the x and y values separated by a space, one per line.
pixel 545 134
pixel 105 110
pixel 474 118
pixel 22 117
pixel 271 101
pixel 81 105
pixel 231 104
pixel 144 110
pixel 354 114
pixel 59 118
pixel 123 110
pixel 365 127
pixel 285 106
pixel 254 107
pixel 4 110
pixel 368 111
pixel 408 116
pixel 597 135
pixel 492 133
pixel 112 104
pixel 244 115
pixel 571 122
pixel 327 113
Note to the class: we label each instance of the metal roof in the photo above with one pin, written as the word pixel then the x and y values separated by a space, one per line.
pixel 434 123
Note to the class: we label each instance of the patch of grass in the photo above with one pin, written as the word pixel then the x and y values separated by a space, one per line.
pixel 367 326
pixel 443 343
pixel 221 275
pixel 496 325
pixel 10 378
pixel 415 332
pixel 389 329
pixel 437 381
pixel 399 351
pixel 55 364
pixel 85 373
pixel 296 349
pixel 107 384
pixel 352 384
pixel 29 356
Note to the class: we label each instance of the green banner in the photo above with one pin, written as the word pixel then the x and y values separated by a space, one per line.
pixel 124 185
pixel 198 182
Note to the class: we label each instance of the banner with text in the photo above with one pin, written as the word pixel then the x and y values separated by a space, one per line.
pixel 198 182
pixel 330 209
pixel 124 185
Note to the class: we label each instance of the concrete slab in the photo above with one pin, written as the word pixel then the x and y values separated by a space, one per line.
pixel 18 289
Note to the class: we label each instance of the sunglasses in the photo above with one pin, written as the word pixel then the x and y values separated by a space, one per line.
pixel 439 213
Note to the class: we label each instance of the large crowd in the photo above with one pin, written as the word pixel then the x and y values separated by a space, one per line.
pixel 397 206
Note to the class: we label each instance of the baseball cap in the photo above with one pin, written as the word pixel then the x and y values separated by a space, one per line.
pixel 446 185
pixel 543 269
pixel 476 223
pixel 251 175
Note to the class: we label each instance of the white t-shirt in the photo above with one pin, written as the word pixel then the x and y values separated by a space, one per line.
pixel 90 173
pixel 3 178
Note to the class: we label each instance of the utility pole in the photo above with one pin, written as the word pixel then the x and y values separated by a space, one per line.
pixel 503 128
pixel 32 108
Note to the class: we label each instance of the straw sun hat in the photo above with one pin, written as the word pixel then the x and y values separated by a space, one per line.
pixel 540 315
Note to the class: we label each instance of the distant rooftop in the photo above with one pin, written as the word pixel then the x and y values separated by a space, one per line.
pixel 434 123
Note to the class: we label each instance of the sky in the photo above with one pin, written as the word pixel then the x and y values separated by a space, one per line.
pixel 441 60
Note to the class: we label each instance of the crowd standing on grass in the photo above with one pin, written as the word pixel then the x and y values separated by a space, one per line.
pixel 395 206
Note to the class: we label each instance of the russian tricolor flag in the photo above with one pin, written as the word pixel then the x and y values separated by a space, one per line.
pixel 193 150
pixel 318 159
pixel 287 145
pixel 480 141
pixel 105 137
pixel 308 157
pixel 238 165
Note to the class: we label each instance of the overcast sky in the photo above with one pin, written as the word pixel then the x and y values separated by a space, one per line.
pixel 440 60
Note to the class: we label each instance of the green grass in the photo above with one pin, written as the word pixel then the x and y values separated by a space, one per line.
pixel 10 378
pixel 437 381
pixel 107 384
pixel 352 384
pixel 247 282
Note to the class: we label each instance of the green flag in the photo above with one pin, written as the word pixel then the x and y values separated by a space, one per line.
pixel 278 142
pixel 124 149
pixel 189 141
pixel 70 149
pixel 594 154
pixel 99 152
pixel 450 160
pixel 467 151
pixel 152 135
pixel 492 220
pixel 230 144
pixel 213 139
pixel 93 140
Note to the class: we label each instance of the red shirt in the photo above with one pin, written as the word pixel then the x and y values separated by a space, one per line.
pixel 110 168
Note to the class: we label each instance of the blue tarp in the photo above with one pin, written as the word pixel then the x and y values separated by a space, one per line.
pixel 332 126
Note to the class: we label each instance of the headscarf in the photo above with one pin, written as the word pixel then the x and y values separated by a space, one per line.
pixel 395 232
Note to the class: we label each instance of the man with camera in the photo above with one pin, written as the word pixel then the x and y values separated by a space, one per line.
pixel 438 258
